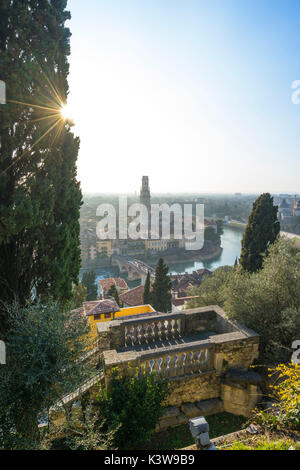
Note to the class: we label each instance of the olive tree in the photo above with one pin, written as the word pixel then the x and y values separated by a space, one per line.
pixel 45 346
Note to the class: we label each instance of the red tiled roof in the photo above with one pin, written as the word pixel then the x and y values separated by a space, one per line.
pixel 100 306
pixel 134 296
pixel 110 281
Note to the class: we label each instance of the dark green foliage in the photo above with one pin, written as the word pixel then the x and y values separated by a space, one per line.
pixel 212 289
pixel 90 434
pixel 147 294
pixel 133 404
pixel 267 301
pixel 220 227
pixel 89 281
pixel 44 345
pixel 79 293
pixel 161 288
pixel 39 195
pixel 113 292
pixel 262 230
pixel 211 235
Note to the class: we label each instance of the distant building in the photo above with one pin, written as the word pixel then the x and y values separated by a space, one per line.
pixel 118 282
pixel 145 196
pixel 155 246
pixel 93 252
pixel 100 311
pixel 181 283
pixel 288 208
pixel 104 247
pixel 296 209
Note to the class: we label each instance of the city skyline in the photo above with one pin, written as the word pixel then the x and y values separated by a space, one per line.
pixel 197 95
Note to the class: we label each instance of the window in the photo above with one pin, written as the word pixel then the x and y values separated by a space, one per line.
pixel 97 317
pixel 107 315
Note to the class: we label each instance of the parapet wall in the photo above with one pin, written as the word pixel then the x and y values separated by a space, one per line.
pixel 155 327
pixel 192 350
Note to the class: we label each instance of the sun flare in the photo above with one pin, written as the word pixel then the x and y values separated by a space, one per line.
pixel 65 112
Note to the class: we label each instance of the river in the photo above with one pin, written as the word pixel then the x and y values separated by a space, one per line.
pixel 231 244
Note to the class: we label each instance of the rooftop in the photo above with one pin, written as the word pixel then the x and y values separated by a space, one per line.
pixel 113 281
pixel 133 296
pixel 100 306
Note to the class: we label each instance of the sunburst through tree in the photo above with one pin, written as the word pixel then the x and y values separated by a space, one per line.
pixel 40 197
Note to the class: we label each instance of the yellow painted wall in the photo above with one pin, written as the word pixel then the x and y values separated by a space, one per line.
pixel 104 245
pixel 124 312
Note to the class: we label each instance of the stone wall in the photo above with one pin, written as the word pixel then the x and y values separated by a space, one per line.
pixel 175 416
pixel 196 369
pixel 193 389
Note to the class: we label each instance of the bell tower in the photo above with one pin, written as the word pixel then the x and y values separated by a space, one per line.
pixel 145 196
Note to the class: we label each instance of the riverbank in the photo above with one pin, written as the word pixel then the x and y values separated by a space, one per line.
pixel 183 256
pixel 235 224
pixel 193 257
pixel 224 255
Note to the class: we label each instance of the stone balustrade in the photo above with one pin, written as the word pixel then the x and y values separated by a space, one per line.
pixel 142 329
pixel 168 362
pixel 152 329
pixel 157 327
pixel 184 362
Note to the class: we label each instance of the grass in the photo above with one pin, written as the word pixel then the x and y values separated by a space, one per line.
pixel 224 423
pixel 264 444
pixel 179 437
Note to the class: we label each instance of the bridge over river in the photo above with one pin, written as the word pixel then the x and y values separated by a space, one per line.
pixel 134 268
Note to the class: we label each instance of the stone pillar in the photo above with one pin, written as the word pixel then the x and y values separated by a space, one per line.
pixel 199 428
pixel 240 391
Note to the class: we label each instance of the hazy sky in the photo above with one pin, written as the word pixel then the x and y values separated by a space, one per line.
pixel 195 94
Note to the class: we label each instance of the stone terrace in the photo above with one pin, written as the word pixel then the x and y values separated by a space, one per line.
pixel 193 350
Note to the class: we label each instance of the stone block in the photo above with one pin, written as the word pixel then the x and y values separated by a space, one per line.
pixel 170 411
pixel 203 439
pixel 208 407
pixel 190 410
pixel 168 422
pixel 235 395
pixel 198 426
pixel 237 410
pixel 237 376
pixel 182 419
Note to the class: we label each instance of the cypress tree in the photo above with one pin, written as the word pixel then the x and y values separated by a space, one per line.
pixel 79 293
pixel 39 195
pixel 147 294
pixel 262 230
pixel 89 281
pixel 113 292
pixel 161 288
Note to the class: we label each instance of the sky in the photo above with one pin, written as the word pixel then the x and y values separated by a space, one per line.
pixel 196 94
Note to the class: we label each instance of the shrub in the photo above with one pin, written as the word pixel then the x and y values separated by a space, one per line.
pixel 267 301
pixel 287 393
pixel 133 404
pixel 285 412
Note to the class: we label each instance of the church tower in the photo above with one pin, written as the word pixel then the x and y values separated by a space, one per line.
pixel 145 197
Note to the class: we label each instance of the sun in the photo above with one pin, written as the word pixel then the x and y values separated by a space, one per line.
pixel 65 112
